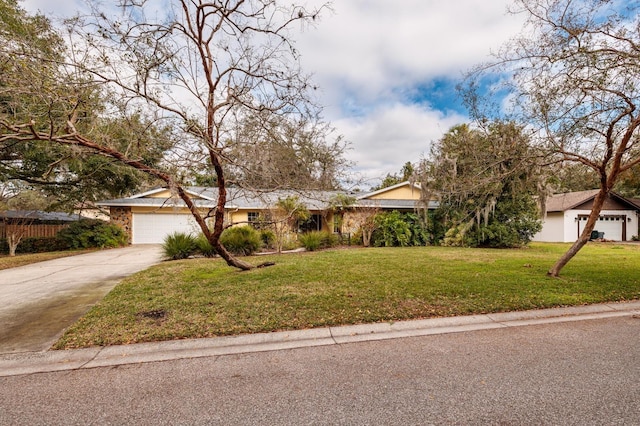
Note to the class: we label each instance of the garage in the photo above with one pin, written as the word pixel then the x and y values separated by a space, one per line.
pixel 152 228
pixel 613 226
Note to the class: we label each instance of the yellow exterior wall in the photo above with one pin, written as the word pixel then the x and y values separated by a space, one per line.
pixel 407 192
pixel 235 217
pixel 162 194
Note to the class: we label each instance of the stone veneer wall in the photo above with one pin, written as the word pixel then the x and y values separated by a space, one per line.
pixel 122 217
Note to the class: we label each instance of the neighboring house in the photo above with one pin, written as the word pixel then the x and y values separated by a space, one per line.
pixel 150 216
pixel 566 217
pixel 33 223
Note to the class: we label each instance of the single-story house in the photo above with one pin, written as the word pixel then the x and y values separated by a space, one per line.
pixel 566 215
pixel 34 223
pixel 150 216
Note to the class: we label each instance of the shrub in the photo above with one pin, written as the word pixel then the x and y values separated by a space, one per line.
pixel 179 246
pixel 268 238
pixel 204 247
pixel 36 245
pixel 311 240
pixel 88 233
pixel 318 239
pixel 241 240
pixel 399 229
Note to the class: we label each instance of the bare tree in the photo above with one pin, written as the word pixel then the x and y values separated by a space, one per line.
pixel 574 76
pixel 286 213
pixel 20 212
pixel 363 219
pixel 198 67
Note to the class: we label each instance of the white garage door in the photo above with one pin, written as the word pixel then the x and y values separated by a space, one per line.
pixel 611 226
pixel 152 228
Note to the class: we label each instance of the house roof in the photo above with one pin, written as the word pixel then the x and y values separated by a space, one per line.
pixel 39 215
pixel 571 200
pixel 395 204
pixel 237 198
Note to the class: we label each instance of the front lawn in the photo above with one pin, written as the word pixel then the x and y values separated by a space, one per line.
pixel 206 298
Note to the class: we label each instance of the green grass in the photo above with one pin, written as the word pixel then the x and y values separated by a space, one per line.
pixel 205 298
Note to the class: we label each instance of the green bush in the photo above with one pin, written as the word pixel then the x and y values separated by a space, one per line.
pixel 396 229
pixel 88 233
pixel 36 245
pixel 311 240
pixel 318 239
pixel 268 238
pixel 204 247
pixel 241 240
pixel 179 246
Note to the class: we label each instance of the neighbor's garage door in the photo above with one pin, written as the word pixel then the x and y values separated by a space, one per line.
pixel 152 228
pixel 611 225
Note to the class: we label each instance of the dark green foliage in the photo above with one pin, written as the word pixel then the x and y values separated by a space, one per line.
pixel 268 238
pixel 318 240
pixel 179 246
pixel 88 233
pixel 241 240
pixel 204 246
pixel 513 224
pixel 36 245
pixel 396 229
pixel 486 180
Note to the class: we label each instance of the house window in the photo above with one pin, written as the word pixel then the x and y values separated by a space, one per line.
pixel 314 223
pixel 252 218
pixel 337 222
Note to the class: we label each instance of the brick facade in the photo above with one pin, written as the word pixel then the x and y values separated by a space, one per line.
pixel 122 217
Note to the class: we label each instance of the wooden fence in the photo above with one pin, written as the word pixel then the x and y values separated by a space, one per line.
pixel 30 231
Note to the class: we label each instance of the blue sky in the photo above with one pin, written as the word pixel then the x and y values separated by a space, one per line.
pixel 387 70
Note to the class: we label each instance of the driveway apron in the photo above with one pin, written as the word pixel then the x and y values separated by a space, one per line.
pixel 39 301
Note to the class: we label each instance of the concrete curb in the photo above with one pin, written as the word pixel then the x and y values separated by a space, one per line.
pixel 51 361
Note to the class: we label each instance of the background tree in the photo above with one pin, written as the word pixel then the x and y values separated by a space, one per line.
pixel 26 204
pixel 574 76
pixel 33 91
pixel 284 153
pixel 198 68
pixel 485 180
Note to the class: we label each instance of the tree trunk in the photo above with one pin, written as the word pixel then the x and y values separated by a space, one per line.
pixel 230 259
pixel 598 202
pixel 12 241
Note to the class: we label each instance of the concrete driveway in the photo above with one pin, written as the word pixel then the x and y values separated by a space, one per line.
pixel 42 299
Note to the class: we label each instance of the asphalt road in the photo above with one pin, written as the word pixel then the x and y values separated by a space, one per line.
pixel 40 300
pixel 567 373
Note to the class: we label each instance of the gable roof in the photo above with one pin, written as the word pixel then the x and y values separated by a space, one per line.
pixel 389 189
pixel 571 200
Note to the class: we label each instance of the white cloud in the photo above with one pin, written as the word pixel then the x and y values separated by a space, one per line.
pixel 54 9
pixel 390 136
pixel 369 47
pixel 370 57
